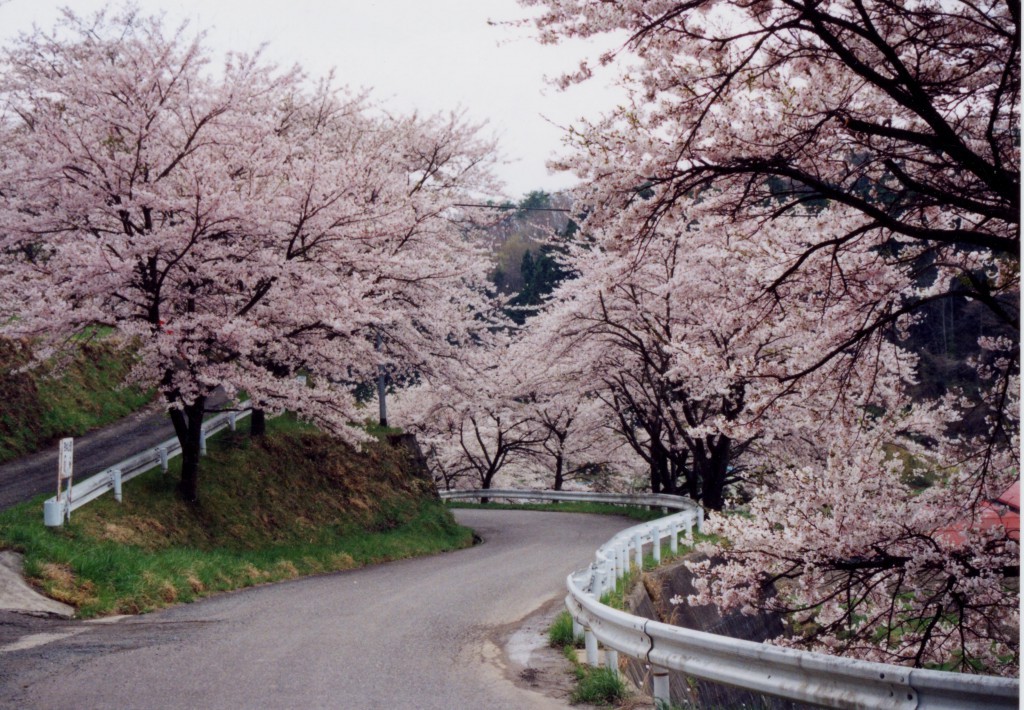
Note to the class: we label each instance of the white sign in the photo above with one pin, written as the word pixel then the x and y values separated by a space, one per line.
pixel 66 458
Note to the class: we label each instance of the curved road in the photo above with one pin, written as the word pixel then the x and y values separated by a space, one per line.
pixel 412 634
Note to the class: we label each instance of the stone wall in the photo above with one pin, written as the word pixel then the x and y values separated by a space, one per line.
pixel 651 600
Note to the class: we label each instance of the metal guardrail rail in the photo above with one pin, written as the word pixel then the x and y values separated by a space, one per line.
pixel 803 676
pixel 57 509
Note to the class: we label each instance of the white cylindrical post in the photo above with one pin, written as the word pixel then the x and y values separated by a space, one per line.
pixel 577 629
pixel 611 660
pixel 656 546
pixel 661 690
pixel 590 641
pixel 202 441
pixel 638 554
pixel 115 479
pixel 623 553
pixel 53 513
pixel 232 420
pixel 700 520
pixel 673 542
pixel 688 528
pixel 162 453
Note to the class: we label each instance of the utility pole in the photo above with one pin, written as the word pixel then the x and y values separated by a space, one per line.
pixel 381 386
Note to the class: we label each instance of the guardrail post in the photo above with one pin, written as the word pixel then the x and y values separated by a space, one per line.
pixel 161 451
pixel 611 660
pixel 202 441
pixel 621 561
pixel 115 480
pixel 700 520
pixel 656 546
pixel 673 541
pixel 232 419
pixel 577 629
pixel 659 682
pixel 688 528
pixel 638 555
pixel 590 641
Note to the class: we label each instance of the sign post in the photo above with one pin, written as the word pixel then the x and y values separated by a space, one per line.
pixel 56 511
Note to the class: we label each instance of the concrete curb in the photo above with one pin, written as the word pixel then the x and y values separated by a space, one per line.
pixel 17 595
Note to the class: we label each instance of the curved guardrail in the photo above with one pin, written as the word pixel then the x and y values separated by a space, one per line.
pixel 803 676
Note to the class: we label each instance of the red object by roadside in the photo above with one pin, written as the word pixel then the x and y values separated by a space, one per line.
pixel 1002 511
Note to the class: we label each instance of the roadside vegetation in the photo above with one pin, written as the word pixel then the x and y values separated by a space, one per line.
pixel 595 686
pixel 561 633
pixel 44 403
pixel 598 686
pixel 294 503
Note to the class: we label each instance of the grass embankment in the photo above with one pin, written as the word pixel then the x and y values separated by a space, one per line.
pixel 40 405
pixel 294 504
pixel 634 512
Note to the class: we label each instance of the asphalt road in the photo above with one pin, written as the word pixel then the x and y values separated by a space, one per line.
pixel 420 633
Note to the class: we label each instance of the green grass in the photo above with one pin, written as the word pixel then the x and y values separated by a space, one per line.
pixel 373 427
pixel 296 503
pixel 560 633
pixel 42 404
pixel 594 685
pixel 598 686
pixel 634 512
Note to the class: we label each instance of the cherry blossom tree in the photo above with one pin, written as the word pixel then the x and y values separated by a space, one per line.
pixel 576 446
pixel 908 117
pixel 237 225
pixel 674 326
pixel 366 204
pixel 577 443
pixel 472 421
pixel 863 159
pixel 671 346
pixel 862 565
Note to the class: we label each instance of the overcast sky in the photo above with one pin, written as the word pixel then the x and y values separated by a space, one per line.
pixel 428 55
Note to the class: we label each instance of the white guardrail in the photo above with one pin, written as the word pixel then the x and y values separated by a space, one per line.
pixel 803 676
pixel 58 509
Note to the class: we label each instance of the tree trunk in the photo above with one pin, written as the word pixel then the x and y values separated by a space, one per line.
pixel 559 472
pixel 714 469
pixel 659 467
pixel 382 389
pixel 693 483
pixel 676 467
pixel 382 393
pixel 257 423
pixel 188 425
pixel 485 484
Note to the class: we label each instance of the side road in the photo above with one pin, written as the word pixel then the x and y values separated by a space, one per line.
pixel 26 477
